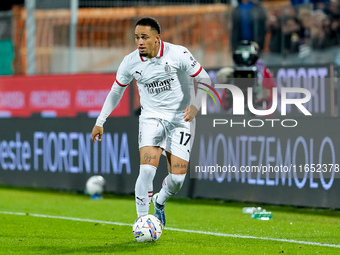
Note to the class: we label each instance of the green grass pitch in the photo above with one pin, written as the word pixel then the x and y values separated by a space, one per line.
pixel 50 222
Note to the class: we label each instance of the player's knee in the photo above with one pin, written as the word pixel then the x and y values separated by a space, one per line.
pixel 147 172
pixel 177 180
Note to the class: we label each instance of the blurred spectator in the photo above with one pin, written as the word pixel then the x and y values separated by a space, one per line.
pixel 335 31
pixel 305 29
pixel 274 28
pixel 304 17
pixel 297 4
pixel 334 14
pixel 248 23
pixel 322 5
pixel 292 33
pixel 320 30
pixel 334 9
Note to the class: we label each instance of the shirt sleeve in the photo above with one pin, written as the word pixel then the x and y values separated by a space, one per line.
pixel 188 63
pixel 111 102
pixel 123 77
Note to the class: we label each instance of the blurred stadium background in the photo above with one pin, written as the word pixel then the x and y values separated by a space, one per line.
pixel 103 31
pixel 58 61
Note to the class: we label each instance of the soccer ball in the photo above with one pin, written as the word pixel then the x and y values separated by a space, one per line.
pixel 95 185
pixel 147 228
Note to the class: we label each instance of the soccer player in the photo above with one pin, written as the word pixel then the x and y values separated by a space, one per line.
pixel 169 105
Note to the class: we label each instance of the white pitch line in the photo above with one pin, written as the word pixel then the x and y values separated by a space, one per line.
pixel 174 229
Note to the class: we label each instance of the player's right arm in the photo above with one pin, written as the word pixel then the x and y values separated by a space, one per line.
pixel 110 104
pixel 123 78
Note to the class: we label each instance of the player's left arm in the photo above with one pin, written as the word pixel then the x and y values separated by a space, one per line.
pixel 196 71
pixel 202 78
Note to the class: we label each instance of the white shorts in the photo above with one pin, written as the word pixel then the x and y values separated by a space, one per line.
pixel 174 137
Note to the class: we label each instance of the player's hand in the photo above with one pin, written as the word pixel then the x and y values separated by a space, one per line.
pixel 190 113
pixel 97 133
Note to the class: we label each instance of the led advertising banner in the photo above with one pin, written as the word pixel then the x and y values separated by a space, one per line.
pixel 58 153
pixel 270 164
pixel 318 80
pixel 58 95
pixel 268 160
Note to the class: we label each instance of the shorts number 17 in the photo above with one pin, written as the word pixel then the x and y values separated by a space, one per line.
pixel 182 138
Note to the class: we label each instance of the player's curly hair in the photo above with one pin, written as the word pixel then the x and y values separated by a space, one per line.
pixel 151 22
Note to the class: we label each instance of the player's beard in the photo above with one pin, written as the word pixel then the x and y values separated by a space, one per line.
pixel 143 54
